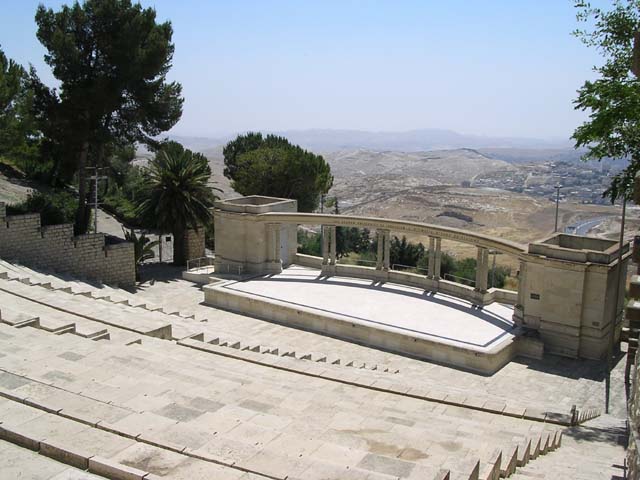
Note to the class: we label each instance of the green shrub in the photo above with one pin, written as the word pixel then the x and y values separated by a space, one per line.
pixel 309 243
pixel 54 207
pixel 122 208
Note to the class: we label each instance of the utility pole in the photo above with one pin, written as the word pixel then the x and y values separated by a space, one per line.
pixel 557 187
pixel 96 177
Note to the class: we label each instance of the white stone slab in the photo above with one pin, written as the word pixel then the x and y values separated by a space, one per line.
pixel 439 317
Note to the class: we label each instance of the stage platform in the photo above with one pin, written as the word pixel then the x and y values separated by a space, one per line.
pixel 393 317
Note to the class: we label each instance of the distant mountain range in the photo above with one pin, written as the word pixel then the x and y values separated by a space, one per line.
pixel 327 140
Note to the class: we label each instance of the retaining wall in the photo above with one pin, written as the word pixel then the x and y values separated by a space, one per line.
pixel 55 248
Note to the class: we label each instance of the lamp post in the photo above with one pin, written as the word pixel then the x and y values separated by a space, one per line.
pixel 557 187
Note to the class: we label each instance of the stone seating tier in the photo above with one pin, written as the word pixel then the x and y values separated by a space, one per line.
pixel 47 303
pixel 180 329
pixel 68 375
pixel 161 409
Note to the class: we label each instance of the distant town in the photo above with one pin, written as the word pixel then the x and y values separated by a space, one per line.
pixel 577 182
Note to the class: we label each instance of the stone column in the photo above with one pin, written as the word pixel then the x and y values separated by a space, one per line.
pixel 325 244
pixel 432 258
pixel 276 246
pixel 482 271
pixel 387 250
pixel 521 283
pixel 438 259
pixel 270 241
pixel 380 241
pixel 333 256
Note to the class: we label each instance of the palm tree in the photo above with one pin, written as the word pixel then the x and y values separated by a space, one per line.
pixel 177 195
pixel 142 247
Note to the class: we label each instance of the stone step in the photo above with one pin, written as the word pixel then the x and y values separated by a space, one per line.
pixel 18 319
pixel 141 361
pixel 13 276
pixel 97 310
pixel 124 298
pixel 19 462
pixel 94 449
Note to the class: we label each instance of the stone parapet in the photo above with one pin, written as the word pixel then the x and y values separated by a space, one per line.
pixel 55 248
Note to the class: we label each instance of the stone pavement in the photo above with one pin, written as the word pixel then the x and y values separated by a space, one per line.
pixel 441 318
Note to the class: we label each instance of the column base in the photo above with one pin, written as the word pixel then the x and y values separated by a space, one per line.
pixel 272 267
pixel 328 269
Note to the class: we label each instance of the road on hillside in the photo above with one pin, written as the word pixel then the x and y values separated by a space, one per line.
pixel 582 228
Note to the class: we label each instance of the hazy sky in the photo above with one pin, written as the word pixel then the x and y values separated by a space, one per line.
pixel 493 67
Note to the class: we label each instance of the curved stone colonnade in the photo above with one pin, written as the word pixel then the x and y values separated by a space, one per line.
pixel 480 295
pixel 570 288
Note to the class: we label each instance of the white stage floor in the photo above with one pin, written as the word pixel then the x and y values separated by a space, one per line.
pixel 410 310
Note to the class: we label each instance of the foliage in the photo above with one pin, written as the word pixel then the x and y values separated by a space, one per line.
pixel 402 252
pixel 142 246
pixel 352 240
pixel 348 240
pixel 54 208
pixel 498 276
pixel 405 253
pixel 18 133
pixel 465 270
pixel 613 99
pixel 309 243
pixel 332 203
pixel 111 58
pixel 247 143
pixel 176 195
pixel 272 166
pixel 124 185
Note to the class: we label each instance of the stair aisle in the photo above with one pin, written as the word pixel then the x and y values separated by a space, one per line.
pixel 592 451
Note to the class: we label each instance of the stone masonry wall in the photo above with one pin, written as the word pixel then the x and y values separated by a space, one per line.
pixel 194 243
pixel 55 248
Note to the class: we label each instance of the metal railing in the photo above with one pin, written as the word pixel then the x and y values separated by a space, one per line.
pixel 200 262
pixel 408 267
pixel 455 278
pixel 230 269
pixel 359 261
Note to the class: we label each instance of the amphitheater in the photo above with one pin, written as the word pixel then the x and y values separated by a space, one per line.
pixel 275 365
